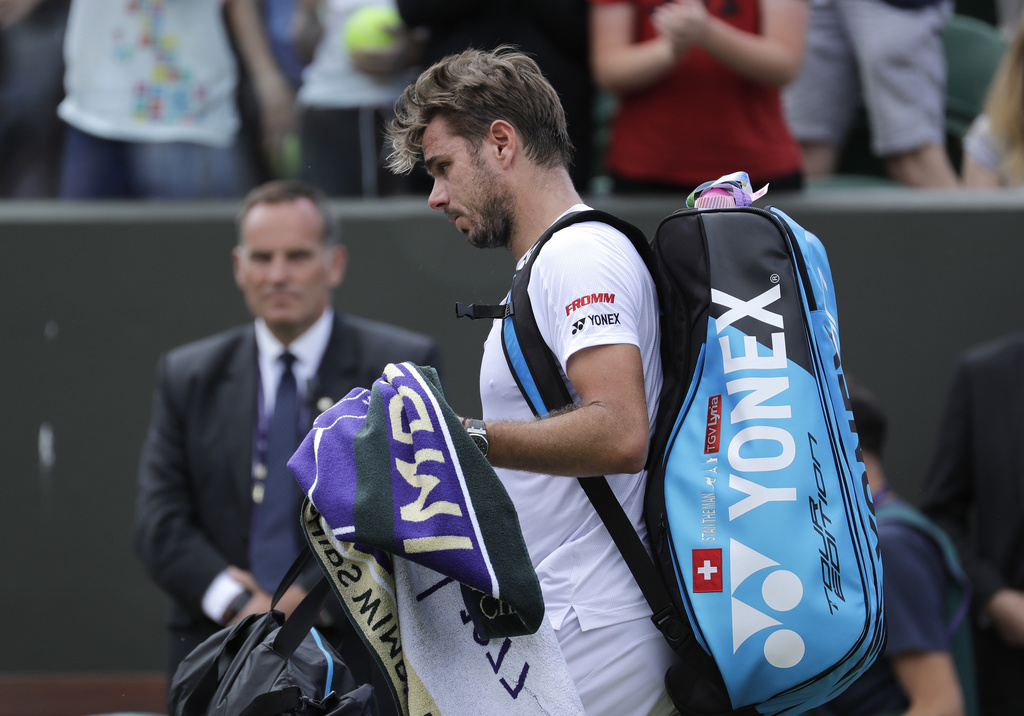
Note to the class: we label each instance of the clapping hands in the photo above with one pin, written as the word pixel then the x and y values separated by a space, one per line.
pixel 684 23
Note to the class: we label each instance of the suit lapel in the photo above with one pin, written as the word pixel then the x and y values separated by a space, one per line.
pixel 338 371
pixel 240 389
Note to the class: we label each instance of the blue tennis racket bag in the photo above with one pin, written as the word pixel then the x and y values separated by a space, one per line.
pixel 766 576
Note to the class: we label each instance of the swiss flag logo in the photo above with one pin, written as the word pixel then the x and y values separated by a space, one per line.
pixel 707 570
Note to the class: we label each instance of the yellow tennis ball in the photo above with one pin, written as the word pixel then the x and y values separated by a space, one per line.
pixel 367 29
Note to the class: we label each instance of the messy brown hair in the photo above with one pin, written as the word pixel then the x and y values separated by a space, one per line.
pixel 470 91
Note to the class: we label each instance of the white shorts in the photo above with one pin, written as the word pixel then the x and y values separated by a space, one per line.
pixel 619 670
pixel 891 56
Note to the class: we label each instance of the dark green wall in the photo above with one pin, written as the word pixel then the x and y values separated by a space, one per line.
pixel 92 294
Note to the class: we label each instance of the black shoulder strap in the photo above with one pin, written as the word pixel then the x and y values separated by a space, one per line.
pixel 538 376
pixel 531 361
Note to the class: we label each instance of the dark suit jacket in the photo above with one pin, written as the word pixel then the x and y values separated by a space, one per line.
pixel 974 488
pixel 194 501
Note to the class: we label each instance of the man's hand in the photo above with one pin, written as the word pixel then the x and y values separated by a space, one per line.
pixel 1006 608
pixel 259 602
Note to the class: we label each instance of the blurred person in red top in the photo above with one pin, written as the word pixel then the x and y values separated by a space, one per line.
pixel 698 90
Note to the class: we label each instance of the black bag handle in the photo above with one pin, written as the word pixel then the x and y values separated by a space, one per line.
pixel 289 636
pixel 290 576
pixel 299 624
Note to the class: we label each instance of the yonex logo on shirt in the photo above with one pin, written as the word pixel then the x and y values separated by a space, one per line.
pixel 603 319
pixel 587 300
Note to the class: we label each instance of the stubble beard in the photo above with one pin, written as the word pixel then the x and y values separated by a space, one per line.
pixel 497 224
pixel 497 218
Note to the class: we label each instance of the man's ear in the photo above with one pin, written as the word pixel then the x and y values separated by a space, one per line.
pixel 338 263
pixel 503 141
pixel 236 264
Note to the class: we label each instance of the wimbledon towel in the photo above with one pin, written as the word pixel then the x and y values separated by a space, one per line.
pixel 423 547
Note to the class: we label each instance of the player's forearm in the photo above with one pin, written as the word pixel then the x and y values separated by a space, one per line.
pixel 582 442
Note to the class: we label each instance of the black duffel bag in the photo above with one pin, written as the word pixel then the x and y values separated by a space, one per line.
pixel 266 666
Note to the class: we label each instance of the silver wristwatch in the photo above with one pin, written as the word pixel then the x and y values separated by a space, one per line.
pixel 478 431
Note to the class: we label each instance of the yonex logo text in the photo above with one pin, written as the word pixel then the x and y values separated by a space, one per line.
pixel 601 319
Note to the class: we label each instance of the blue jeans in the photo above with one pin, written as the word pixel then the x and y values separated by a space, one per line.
pixel 97 168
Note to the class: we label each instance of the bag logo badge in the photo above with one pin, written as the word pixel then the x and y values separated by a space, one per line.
pixel 707 570
pixel 713 434
pixel 781 590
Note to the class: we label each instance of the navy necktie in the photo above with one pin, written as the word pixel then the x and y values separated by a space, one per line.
pixel 275 540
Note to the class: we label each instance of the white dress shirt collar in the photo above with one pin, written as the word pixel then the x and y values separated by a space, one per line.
pixel 308 350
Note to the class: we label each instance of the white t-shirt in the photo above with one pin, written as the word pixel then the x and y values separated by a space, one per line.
pixel 150 72
pixel 330 80
pixel 588 287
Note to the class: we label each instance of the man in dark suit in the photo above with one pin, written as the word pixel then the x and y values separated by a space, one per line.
pixel 975 491
pixel 209 529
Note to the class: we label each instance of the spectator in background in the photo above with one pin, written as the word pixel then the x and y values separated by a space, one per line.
pixel 346 99
pixel 698 90
pixel 974 490
pixel 917 675
pixel 552 32
pixel 273 87
pixel 31 68
pixel 150 98
pixel 271 149
pixel 994 145
pixel 890 53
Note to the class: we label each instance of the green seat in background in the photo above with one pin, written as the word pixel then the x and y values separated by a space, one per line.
pixel 973 51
